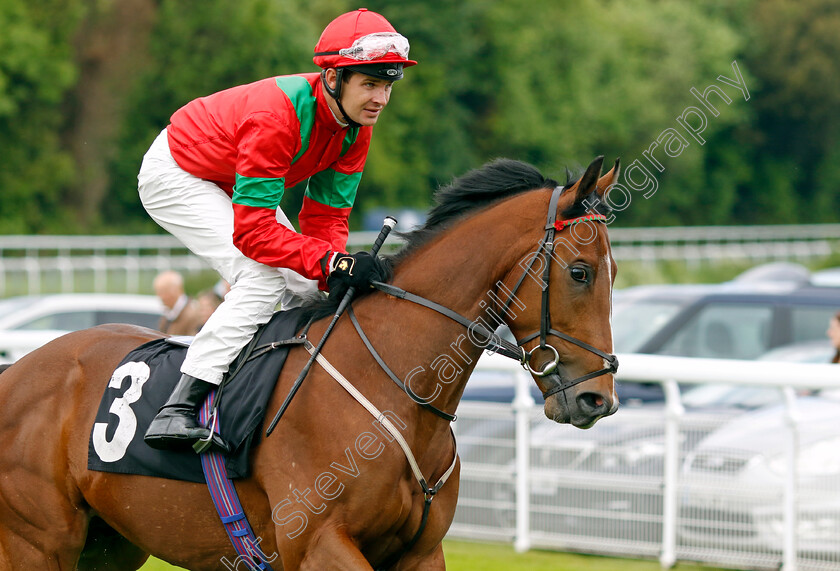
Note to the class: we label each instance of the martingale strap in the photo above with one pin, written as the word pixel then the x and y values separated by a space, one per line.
pixel 386 423
pixel 429 492
pixel 226 499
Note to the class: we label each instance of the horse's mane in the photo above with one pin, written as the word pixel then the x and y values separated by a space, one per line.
pixel 465 195
pixel 479 188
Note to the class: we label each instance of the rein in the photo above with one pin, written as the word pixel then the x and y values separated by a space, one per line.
pixel 445 416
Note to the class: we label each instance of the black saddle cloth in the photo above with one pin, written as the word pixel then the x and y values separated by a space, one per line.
pixel 143 382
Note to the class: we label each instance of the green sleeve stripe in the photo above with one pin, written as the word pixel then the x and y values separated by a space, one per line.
pixel 333 188
pixel 259 192
pixel 299 91
pixel 349 139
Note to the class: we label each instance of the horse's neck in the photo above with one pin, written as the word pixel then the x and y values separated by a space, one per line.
pixel 460 271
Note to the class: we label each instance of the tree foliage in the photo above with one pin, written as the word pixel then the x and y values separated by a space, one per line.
pixel 36 73
pixel 552 83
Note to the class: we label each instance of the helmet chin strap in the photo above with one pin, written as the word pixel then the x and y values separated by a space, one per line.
pixel 335 93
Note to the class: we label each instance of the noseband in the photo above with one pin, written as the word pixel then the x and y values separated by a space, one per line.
pixel 517 351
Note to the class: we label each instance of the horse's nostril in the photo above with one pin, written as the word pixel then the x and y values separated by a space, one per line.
pixel 592 402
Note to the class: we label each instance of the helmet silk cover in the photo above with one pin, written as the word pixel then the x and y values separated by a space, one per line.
pixel 365 41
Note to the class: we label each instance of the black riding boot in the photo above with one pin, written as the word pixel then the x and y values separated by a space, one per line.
pixel 176 427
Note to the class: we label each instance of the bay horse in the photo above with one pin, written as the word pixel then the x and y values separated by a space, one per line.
pixel 326 490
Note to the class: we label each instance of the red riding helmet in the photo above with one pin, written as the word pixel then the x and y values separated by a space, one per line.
pixel 366 42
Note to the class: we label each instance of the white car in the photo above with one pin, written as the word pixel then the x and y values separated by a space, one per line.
pixel 733 481
pixel 27 322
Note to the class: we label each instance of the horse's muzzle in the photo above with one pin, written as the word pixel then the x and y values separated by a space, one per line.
pixel 580 408
pixel 592 406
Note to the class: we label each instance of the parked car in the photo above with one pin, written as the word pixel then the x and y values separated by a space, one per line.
pixel 742 319
pixel 813 351
pixel 733 481
pixel 27 322
pixel 717 396
pixel 826 277
pixel 603 482
pixel 735 320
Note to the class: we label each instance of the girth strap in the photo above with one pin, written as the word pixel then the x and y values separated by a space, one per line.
pixel 446 416
pixel 224 496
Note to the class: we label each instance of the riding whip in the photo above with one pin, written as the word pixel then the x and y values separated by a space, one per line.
pixel 387 226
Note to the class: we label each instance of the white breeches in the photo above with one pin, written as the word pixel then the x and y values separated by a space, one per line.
pixel 200 215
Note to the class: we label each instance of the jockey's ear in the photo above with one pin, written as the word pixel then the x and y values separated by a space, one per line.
pixel 609 179
pixel 330 77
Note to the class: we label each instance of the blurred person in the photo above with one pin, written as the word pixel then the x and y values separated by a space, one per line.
pixel 833 333
pixel 221 289
pixel 214 178
pixel 209 299
pixel 181 314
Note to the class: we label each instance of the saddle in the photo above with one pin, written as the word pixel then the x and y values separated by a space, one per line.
pixel 143 381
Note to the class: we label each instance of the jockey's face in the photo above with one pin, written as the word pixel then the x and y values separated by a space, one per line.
pixel 362 96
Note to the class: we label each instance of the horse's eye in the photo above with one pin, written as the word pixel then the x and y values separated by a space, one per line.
pixel 579 274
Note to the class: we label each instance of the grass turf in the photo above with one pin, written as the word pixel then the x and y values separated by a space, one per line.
pixel 471 556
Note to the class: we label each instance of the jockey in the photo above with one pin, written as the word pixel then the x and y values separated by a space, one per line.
pixel 214 178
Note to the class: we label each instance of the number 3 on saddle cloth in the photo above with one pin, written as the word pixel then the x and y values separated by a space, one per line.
pixel 144 380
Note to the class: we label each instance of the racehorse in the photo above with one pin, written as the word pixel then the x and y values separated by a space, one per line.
pixel 328 488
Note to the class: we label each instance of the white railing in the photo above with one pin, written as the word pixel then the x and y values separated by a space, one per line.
pixel 715 243
pixel 36 264
pixel 66 264
pixel 631 485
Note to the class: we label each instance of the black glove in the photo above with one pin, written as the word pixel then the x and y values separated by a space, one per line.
pixel 355 270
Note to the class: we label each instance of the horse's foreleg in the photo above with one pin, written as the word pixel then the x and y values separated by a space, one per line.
pixel 40 526
pixel 334 552
pixel 17 551
pixel 433 561
pixel 107 549
pixel 337 553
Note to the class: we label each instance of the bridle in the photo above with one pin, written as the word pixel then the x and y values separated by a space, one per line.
pixel 517 351
pixel 546 250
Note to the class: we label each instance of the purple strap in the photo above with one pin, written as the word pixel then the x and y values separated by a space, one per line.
pixel 226 501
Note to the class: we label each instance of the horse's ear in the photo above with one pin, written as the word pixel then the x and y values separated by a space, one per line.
pixel 586 184
pixel 609 179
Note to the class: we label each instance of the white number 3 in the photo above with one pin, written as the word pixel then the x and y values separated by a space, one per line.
pixel 113 450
